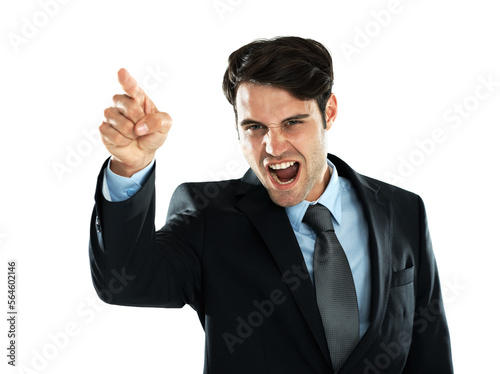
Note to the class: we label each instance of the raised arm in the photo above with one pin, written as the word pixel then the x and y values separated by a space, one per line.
pixel 131 263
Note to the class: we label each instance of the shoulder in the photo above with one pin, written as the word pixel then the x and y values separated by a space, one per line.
pixel 195 196
pixel 369 186
pixel 389 189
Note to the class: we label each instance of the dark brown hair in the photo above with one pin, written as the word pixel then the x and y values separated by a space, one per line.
pixel 303 67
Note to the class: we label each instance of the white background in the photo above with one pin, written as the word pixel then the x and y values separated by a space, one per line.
pixel 401 82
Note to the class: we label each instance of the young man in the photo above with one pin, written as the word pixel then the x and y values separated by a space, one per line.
pixel 300 266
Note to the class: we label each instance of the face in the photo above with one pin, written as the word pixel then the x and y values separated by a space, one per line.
pixel 284 141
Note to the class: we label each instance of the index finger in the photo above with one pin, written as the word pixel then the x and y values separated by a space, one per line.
pixel 130 86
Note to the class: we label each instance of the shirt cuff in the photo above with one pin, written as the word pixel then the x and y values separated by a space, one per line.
pixel 118 188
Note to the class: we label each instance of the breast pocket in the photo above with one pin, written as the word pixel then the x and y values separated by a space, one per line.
pixel 402 277
pixel 401 304
pixel 402 294
pixel 397 326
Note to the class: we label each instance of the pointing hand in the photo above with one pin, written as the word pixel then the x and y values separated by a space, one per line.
pixel 133 128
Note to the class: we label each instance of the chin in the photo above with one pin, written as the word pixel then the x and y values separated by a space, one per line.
pixel 285 198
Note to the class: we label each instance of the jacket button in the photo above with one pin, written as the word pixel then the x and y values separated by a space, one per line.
pixel 98 224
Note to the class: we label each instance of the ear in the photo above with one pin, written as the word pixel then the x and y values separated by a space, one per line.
pixel 330 111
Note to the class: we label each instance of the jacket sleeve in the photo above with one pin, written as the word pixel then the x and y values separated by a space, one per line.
pixel 430 350
pixel 132 264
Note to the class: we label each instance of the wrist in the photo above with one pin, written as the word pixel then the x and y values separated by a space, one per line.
pixel 120 168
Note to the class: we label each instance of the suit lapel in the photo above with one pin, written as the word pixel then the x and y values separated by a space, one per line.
pixel 378 214
pixel 271 221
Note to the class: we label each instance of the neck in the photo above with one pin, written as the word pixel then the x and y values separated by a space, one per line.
pixel 321 185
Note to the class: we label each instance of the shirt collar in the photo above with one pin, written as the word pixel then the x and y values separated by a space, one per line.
pixel 330 199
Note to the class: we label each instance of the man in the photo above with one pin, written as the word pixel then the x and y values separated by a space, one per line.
pixel 300 266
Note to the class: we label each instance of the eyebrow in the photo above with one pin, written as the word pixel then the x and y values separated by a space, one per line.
pixel 250 121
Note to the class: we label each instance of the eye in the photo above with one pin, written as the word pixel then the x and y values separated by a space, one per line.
pixel 293 122
pixel 254 127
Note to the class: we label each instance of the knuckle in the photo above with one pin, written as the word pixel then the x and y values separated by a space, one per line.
pixel 104 128
pixel 117 98
pixel 108 112
pixel 166 122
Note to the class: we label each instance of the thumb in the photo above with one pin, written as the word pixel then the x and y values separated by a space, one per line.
pixel 156 122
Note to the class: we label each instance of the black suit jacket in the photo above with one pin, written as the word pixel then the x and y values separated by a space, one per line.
pixel 228 251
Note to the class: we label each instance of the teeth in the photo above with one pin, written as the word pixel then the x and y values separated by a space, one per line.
pixel 283 165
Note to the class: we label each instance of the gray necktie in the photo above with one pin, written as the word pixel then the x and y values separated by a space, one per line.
pixel 335 291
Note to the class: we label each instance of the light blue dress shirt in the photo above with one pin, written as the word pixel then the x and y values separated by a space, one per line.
pixel 118 188
pixel 347 216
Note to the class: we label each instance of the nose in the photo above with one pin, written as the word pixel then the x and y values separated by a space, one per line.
pixel 275 141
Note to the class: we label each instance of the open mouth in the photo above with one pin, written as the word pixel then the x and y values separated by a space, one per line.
pixel 284 173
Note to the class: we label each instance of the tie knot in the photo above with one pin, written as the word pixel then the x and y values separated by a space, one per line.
pixel 318 217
